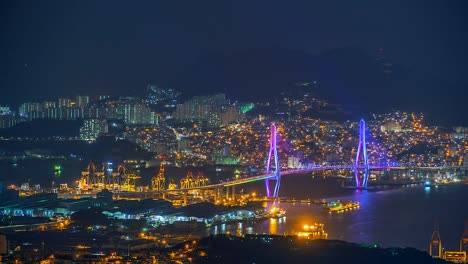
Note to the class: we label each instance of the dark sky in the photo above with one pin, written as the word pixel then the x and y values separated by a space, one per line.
pixel 54 48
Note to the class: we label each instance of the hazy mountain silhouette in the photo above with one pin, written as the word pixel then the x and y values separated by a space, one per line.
pixel 347 76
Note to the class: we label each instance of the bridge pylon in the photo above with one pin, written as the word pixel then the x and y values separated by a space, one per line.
pixel 277 174
pixel 361 151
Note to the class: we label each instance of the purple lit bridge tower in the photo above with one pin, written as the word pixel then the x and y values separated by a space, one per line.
pixel 361 153
pixel 276 177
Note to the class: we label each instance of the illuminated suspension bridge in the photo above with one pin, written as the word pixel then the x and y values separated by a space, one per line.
pixel 273 172
pixel 272 175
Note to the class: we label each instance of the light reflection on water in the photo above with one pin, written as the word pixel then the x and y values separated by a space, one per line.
pixel 239 229
pixel 395 217
pixel 273 226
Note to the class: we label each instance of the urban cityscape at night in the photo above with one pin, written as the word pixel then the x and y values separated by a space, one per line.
pixel 216 132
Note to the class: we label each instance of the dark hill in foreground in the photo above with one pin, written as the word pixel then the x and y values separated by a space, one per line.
pixel 290 249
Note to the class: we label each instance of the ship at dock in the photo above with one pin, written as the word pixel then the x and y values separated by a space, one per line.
pixel 315 231
pixel 276 212
pixel 339 206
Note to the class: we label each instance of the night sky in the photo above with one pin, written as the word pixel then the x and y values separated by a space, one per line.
pixel 56 48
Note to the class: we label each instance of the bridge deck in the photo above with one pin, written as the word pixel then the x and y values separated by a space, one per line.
pixel 283 173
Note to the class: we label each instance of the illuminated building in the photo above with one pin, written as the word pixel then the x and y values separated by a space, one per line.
pixel 391 127
pixel 231 115
pixel 460 133
pixel 48 105
pixel 4 110
pixel 108 111
pixel 7 121
pixel 226 151
pixel 204 109
pixel 49 110
pixel 139 114
pixel 222 156
pixel 183 145
pixel 64 102
pixel 190 112
pixel 92 128
pixel 103 97
pixel 214 119
pixel 221 160
pixel 82 100
pixel 216 100
pixel 72 113
pixel 246 107
pixel 155 95
pixel 27 108
pixel 293 162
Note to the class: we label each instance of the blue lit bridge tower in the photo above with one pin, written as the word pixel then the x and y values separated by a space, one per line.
pixel 361 153
pixel 276 174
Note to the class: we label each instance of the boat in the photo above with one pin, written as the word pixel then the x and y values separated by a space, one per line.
pixel 276 212
pixel 315 231
pixel 431 184
pixel 339 206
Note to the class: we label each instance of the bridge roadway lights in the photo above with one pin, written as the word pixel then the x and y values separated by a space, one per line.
pixel 277 177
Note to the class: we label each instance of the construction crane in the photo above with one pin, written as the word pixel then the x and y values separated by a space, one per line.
pixel 193 182
pixel 188 181
pixel 107 177
pixel 115 178
pixel 202 180
pixel 100 179
pixel 87 177
pixel 128 177
pixel 172 185
pixel 158 182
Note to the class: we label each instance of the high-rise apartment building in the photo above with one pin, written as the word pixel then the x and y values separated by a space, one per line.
pixel 82 100
pixel 216 100
pixel 204 109
pixel 156 95
pixel 4 110
pixel 190 112
pixel 139 114
pixel 47 105
pixel 7 121
pixel 64 102
pixel 92 128
pixel 27 108
pixel 231 115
